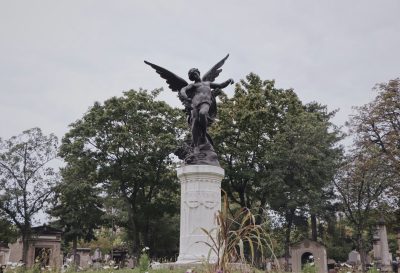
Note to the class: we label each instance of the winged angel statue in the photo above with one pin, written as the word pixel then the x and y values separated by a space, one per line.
pixel 199 100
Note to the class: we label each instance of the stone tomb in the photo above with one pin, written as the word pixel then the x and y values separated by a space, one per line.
pixel 45 245
pixel 4 253
pixel 302 252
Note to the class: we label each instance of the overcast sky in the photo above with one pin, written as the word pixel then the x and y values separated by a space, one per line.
pixel 58 57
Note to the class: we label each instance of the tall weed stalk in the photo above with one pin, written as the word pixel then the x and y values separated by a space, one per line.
pixel 236 239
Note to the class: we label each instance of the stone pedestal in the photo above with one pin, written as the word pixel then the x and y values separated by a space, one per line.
pixel 386 258
pixel 200 201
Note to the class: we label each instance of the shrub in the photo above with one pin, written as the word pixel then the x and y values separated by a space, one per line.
pixel 144 262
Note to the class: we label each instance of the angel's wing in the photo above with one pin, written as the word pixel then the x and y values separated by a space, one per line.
pixel 175 82
pixel 214 71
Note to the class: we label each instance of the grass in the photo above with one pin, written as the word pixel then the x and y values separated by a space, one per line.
pixel 136 270
pixel 199 269
pixel 124 270
pixel 309 268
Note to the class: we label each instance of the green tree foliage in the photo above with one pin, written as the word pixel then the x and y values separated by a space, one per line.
pixel 337 241
pixel 276 151
pixel 130 140
pixel 77 205
pixel 304 156
pixel 247 124
pixel 26 178
pixel 8 233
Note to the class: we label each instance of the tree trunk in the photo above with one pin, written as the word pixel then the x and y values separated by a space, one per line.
pixel 242 198
pixel 26 235
pixel 132 233
pixel 137 242
pixel 362 251
pixel 74 254
pixel 132 228
pixel 261 210
pixel 314 233
pixel 146 235
pixel 289 223
pixel 25 247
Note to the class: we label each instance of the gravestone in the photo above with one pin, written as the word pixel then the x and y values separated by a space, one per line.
pixel 97 256
pixel 84 260
pixel 130 263
pixel 97 259
pixel 354 258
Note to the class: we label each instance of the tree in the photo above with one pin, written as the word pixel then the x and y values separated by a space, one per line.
pixel 337 241
pixel 376 125
pixel 130 140
pixel 77 205
pixel 362 183
pixel 276 151
pixel 305 155
pixel 26 178
pixel 369 177
pixel 244 135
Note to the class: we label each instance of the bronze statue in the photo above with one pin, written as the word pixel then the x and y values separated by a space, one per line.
pixel 199 99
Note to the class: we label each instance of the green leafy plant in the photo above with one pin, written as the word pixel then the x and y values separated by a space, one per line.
pixel 236 239
pixel 309 268
pixel 373 270
pixel 144 261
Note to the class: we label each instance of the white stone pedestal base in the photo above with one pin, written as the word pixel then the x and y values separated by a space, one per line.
pixel 200 201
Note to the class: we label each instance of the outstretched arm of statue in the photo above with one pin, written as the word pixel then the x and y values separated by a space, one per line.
pixel 221 85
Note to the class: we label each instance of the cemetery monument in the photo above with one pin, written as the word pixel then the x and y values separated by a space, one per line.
pixel 299 251
pixel 382 256
pixel 200 174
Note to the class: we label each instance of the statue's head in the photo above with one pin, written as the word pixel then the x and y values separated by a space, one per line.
pixel 194 74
